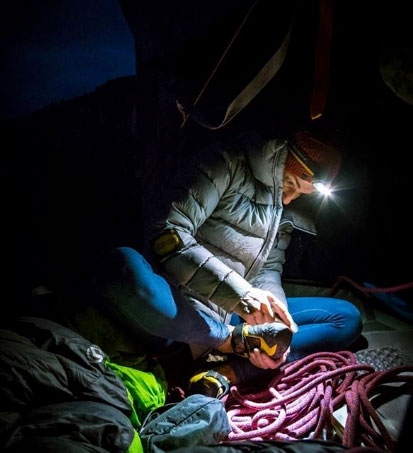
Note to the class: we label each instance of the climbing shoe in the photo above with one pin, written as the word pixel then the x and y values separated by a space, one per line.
pixel 273 338
pixel 209 383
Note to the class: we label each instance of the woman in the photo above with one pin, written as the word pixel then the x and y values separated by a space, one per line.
pixel 219 249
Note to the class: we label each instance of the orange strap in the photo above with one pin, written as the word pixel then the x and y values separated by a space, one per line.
pixel 322 59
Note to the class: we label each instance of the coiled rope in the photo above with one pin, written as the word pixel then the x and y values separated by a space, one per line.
pixel 300 401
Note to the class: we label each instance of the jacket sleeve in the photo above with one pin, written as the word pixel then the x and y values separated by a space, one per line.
pixel 269 277
pixel 186 261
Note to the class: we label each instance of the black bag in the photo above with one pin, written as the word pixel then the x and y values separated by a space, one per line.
pixel 196 420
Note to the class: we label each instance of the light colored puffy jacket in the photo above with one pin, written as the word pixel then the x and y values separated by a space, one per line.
pixel 233 230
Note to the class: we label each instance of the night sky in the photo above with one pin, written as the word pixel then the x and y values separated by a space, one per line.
pixel 57 50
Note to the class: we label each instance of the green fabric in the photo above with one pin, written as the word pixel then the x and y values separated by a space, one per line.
pixel 136 445
pixel 146 389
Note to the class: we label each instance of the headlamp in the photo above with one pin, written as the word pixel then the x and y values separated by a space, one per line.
pixel 322 187
pixel 311 167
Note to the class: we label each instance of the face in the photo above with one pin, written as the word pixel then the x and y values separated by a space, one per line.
pixel 295 186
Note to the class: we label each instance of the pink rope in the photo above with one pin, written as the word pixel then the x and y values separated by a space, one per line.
pixel 300 400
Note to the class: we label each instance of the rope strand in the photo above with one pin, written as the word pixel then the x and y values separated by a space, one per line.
pixel 300 402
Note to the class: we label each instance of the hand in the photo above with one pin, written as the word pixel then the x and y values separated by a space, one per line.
pixel 281 312
pixel 262 360
pixel 260 306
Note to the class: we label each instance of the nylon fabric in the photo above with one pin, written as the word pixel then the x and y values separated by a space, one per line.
pixel 147 390
pixel 197 420
pixel 228 214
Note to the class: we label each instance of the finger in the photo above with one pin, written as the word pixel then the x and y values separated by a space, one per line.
pixel 267 310
pixel 282 313
pixel 286 318
pixel 262 360
pixel 253 319
pixel 257 359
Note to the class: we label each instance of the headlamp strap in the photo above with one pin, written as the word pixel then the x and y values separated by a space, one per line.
pixel 309 165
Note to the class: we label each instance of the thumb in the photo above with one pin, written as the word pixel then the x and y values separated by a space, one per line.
pixel 287 319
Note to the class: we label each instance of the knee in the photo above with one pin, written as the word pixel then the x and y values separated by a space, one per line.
pixel 123 270
pixel 352 318
pixel 128 282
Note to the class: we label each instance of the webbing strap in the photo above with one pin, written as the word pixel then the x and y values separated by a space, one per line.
pixel 247 94
pixel 238 340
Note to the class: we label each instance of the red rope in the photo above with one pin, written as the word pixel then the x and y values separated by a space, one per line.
pixel 367 291
pixel 300 401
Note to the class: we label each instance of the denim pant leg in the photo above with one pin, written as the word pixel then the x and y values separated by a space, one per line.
pixel 128 288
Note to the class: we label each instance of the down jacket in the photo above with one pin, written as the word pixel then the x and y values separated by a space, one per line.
pixel 233 230
pixel 57 394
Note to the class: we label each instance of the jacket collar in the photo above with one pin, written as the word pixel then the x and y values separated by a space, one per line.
pixel 267 162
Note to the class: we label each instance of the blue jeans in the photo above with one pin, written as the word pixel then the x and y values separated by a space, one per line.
pixel 128 288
